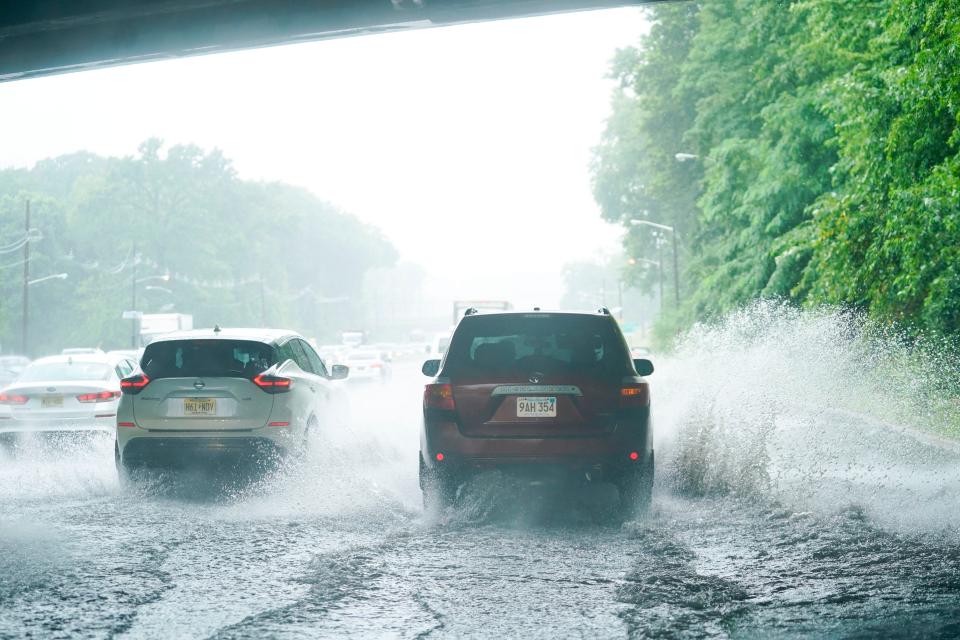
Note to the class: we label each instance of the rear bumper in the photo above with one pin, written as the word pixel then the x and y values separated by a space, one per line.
pixel 184 452
pixel 609 452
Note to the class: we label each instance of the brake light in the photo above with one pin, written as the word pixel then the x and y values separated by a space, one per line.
pixel 13 398
pixel 278 424
pixel 637 395
pixel 134 384
pixel 634 455
pixel 273 384
pixel 439 457
pixel 126 424
pixel 438 396
pixel 103 396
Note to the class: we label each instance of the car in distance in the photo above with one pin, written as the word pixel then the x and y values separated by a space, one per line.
pixel 538 393
pixel 368 364
pixel 65 393
pixel 230 395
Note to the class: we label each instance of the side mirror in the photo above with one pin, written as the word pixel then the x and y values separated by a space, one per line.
pixel 643 366
pixel 339 372
pixel 430 368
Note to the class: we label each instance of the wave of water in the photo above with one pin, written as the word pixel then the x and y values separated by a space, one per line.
pixel 813 408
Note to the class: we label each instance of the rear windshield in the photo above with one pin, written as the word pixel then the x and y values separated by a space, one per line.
pixel 65 371
pixel 207 359
pixel 522 344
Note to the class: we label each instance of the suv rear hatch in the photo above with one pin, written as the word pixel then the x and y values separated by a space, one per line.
pixel 537 375
pixel 204 385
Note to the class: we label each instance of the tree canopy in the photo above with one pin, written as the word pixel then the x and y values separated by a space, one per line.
pixel 199 240
pixel 825 136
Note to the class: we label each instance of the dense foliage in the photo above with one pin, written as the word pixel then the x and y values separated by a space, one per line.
pixel 826 140
pixel 197 239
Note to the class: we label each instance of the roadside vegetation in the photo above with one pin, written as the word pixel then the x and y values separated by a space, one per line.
pixel 819 157
pixel 194 236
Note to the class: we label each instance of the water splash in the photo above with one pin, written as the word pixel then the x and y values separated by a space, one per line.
pixel 816 408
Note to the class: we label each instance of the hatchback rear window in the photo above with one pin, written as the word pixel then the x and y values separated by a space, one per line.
pixel 207 358
pixel 520 343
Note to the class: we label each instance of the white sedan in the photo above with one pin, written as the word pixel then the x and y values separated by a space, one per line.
pixel 368 364
pixel 65 393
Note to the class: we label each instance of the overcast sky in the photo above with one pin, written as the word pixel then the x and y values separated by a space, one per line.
pixel 468 146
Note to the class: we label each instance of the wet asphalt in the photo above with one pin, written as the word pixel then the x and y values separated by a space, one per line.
pixel 783 524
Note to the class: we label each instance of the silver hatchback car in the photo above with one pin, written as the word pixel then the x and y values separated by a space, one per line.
pixel 230 393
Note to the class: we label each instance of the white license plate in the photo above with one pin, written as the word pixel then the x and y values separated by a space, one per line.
pixel 200 406
pixel 51 402
pixel 537 407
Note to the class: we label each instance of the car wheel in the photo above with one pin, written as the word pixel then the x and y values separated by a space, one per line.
pixel 303 448
pixel 439 489
pixel 636 489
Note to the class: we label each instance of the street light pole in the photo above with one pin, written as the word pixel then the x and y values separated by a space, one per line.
pixel 27 283
pixel 24 335
pixel 660 268
pixel 676 271
pixel 133 299
pixel 676 259
pixel 658 265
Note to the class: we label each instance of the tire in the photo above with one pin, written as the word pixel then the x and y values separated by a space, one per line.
pixel 636 489
pixel 303 447
pixel 439 489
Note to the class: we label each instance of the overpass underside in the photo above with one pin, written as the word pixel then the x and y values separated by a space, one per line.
pixel 53 36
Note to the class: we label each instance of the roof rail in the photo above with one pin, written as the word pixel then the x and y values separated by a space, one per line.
pixel 603 311
pixel 472 311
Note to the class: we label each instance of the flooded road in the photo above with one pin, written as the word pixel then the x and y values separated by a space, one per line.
pixel 778 523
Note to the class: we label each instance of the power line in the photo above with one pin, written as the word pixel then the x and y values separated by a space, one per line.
pixel 32 235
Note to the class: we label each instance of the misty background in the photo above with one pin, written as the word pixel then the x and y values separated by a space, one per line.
pixel 465 150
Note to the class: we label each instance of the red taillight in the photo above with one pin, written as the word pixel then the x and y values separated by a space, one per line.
pixel 103 396
pixel 439 457
pixel 13 398
pixel 438 396
pixel 273 384
pixel 635 396
pixel 126 424
pixel 134 384
pixel 278 424
pixel 634 455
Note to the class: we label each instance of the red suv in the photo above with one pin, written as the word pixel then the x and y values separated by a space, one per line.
pixel 538 393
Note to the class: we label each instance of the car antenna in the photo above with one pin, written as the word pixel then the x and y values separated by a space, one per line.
pixel 603 311
pixel 216 328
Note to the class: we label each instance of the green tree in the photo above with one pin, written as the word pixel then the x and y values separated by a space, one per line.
pixel 235 252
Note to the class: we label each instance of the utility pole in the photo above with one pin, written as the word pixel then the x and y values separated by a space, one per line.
pixel 676 273
pixel 263 304
pixel 133 299
pixel 24 336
